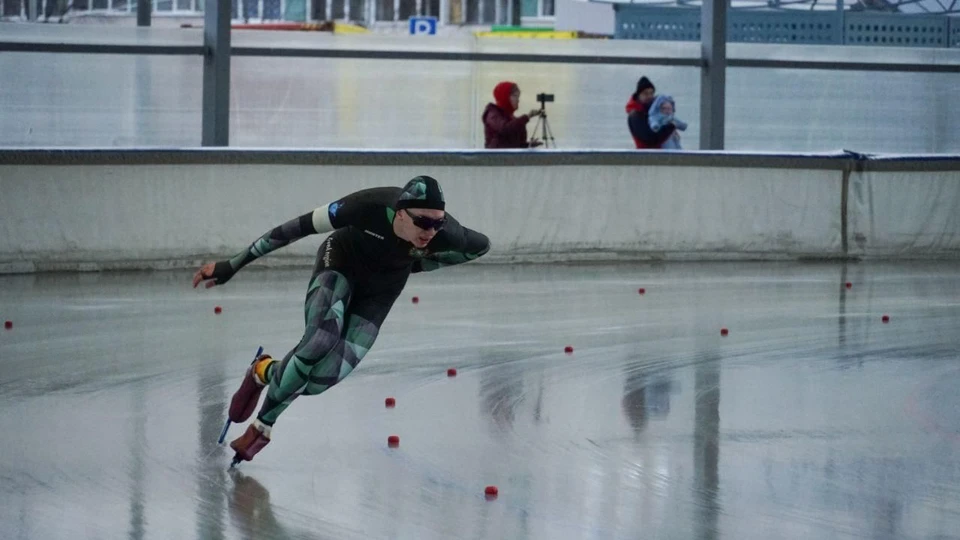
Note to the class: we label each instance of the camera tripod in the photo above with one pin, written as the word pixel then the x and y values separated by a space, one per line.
pixel 546 134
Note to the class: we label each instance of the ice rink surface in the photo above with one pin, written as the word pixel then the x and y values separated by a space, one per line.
pixel 811 419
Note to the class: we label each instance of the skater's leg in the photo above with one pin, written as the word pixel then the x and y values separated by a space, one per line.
pixel 327 300
pixel 311 376
pixel 358 338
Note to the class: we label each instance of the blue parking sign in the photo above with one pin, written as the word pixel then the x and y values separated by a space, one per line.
pixel 423 26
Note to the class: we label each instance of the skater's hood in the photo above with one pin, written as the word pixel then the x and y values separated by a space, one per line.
pixel 421 192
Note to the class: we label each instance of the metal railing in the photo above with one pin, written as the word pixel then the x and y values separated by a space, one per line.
pixel 637 21
pixel 217 50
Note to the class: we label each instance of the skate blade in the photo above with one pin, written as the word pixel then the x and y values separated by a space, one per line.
pixel 223 433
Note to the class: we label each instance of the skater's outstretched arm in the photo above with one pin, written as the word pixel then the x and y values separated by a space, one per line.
pixel 316 222
pixel 458 245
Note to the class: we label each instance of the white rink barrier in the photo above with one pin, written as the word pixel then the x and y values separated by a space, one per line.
pixel 83 209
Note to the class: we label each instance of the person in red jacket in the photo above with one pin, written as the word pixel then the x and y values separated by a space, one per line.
pixel 501 128
pixel 638 119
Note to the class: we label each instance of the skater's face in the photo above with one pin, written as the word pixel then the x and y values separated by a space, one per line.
pixel 666 108
pixel 419 225
pixel 515 98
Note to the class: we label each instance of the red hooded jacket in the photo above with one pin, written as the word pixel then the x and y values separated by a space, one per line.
pixel 500 128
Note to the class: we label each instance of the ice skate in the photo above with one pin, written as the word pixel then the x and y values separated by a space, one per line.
pixel 244 400
pixel 251 442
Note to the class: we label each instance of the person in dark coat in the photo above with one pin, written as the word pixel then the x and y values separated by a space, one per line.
pixel 638 120
pixel 501 128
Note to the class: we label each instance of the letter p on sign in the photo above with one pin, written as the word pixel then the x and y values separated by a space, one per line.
pixel 423 26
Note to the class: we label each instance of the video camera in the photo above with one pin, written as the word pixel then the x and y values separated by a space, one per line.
pixel 546 133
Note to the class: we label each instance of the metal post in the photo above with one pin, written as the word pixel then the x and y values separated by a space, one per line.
pixel 444 12
pixel 713 73
pixel 396 10
pixel 842 31
pixel 346 10
pixel 216 73
pixel 419 8
pixel 32 10
pixel 144 9
pixel 514 13
pixel 329 10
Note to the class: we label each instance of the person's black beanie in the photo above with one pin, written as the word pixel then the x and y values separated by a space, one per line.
pixel 421 192
pixel 642 85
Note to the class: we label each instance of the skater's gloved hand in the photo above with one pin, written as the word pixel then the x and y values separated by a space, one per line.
pixel 214 274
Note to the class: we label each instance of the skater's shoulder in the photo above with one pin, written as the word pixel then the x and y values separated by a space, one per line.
pixel 385 196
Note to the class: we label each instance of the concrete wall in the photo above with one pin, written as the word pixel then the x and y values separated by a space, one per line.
pixel 905 214
pixel 88 210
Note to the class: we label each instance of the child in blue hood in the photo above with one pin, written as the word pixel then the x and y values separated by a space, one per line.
pixel 662 113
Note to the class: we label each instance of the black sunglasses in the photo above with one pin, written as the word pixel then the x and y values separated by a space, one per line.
pixel 426 223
